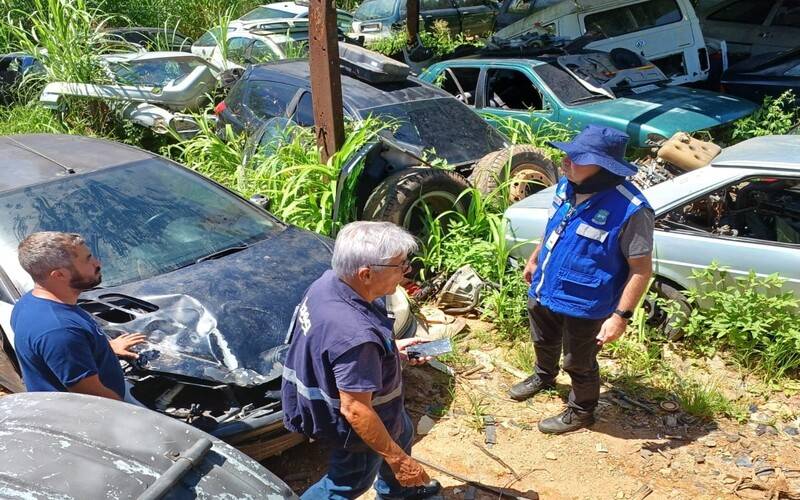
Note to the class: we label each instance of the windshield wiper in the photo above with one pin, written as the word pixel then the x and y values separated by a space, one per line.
pixel 221 253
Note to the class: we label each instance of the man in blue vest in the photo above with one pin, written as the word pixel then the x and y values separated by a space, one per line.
pixel 342 381
pixel 588 273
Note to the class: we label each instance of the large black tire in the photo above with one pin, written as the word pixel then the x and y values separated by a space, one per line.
pixel 401 197
pixel 659 318
pixel 528 166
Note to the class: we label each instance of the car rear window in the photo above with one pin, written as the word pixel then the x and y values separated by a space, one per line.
pixel 632 18
pixel 154 73
pixel 444 126
pixel 266 13
pixel 375 9
pixel 269 99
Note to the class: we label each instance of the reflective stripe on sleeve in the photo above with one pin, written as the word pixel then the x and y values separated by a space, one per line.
pixel 627 194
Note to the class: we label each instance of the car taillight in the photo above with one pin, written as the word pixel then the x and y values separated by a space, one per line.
pixel 219 108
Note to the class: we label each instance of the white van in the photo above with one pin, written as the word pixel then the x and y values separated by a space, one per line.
pixel 667 32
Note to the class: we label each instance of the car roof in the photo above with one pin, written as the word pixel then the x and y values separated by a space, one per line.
pixel 768 152
pixel 358 94
pixel 32 159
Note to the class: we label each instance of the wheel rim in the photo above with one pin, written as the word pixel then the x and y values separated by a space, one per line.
pixel 437 203
pixel 526 180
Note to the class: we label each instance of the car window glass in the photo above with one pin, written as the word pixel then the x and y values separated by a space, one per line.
pixel 304 113
pixel 564 86
pixel 344 21
pixel 269 99
pixel 511 89
pixel 788 14
pixel 461 82
pixel 766 209
pixel 375 9
pixel 632 18
pixel 521 6
pixel 261 52
pixel 210 38
pixel 744 11
pixel 793 71
pixel 265 13
pixel 237 48
pixel 142 219
pixel 154 72
pixel 435 5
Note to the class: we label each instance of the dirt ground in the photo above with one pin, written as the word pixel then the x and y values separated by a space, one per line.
pixel 629 453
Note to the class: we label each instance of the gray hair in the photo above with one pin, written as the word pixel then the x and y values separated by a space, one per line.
pixel 362 243
pixel 42 252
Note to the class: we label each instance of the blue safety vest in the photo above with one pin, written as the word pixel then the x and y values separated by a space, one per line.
pixel 581 270
pixel 330 320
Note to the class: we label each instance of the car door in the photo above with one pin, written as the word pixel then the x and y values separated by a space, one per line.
pixel 477 16
pixel 445 10
pixel 782 31
pixel 513 92
pixel 684 242
pixel 739 23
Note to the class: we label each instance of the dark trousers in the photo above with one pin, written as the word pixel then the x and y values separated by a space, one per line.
pixel 551 332
pixel 351 473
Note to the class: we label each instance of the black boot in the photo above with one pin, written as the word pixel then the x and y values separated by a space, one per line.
pixel 419 492
pixel 567 421
pixel 528 388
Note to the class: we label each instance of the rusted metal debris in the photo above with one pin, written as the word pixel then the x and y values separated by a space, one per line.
pixel 412 21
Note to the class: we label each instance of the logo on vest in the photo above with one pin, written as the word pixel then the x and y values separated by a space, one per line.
pixel 304 318
pixel 601 217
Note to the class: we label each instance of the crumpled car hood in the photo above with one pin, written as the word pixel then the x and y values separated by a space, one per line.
pixel 224 320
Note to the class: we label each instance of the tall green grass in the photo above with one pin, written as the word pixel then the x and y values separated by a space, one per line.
pixel 301 189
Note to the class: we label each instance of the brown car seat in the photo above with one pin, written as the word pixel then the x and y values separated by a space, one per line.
pixel 688 153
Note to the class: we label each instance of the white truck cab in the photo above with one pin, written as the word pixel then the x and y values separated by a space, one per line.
pixel 667 32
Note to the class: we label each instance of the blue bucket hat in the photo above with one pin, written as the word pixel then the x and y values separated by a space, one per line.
pixel 601 146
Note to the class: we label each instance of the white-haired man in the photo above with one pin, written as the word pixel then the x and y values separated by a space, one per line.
pixel 342 380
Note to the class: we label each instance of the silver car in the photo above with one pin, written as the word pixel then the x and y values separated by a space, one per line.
pixel 742 210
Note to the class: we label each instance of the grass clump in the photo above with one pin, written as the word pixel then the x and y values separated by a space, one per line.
pixel 438 39
pixel 705 401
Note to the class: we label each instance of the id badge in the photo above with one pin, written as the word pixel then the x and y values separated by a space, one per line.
pixel 551 240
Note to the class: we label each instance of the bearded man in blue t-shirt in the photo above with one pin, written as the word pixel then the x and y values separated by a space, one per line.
pixel 59 345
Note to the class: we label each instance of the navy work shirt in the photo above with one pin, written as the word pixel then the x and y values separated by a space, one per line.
pixel 58 345
pixel 340 342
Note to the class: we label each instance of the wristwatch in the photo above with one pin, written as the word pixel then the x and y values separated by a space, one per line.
pixel 626 315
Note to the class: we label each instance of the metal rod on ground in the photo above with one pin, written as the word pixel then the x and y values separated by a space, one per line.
pixel 492 489
pixel 326 81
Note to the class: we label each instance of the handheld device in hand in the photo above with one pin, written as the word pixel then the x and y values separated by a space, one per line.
pixel 433 348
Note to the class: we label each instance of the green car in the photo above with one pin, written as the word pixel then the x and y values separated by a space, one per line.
pixel 617 89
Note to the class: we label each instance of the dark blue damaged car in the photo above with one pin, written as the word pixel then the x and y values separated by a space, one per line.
pixel 212 279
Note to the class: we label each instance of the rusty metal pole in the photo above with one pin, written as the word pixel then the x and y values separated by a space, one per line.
pixel 326 82
pixel 412 21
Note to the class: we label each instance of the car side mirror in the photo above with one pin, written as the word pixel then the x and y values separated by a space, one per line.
pixel 261 200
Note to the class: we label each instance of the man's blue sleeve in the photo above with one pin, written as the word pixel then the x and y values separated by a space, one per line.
pixel 68 354
pixel 359 369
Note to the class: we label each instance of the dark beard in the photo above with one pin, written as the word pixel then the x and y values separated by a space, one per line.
pixel 84 283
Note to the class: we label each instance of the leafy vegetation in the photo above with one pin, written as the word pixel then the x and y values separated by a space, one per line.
pixel 777 115
pixel 751 316
pixel 439 40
